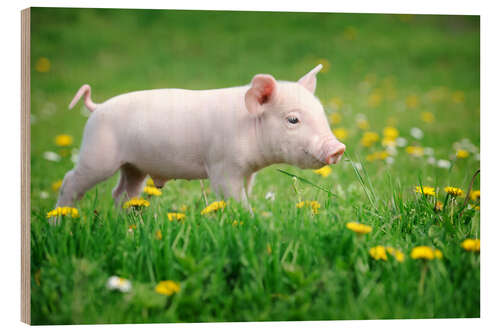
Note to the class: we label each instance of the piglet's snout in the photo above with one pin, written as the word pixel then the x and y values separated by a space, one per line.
pixel 333 151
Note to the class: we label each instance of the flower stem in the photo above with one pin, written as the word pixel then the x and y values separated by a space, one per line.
pixel 446 201
pixel 452 206
pixel 203 192
pixel 423 273
pixel 296 187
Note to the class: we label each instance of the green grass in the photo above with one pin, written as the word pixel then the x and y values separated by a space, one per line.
pixel 283 263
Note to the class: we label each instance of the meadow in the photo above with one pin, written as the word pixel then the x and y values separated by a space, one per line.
pixel 401 91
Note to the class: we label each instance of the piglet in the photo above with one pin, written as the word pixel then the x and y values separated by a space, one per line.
pixel 225 135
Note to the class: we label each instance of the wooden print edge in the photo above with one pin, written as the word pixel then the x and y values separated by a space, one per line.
pixel 25 166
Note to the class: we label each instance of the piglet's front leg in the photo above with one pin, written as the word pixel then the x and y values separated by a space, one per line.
pixel 230 186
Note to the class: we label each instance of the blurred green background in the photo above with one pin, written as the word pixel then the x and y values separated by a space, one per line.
pixel 402 71
pixel 392 59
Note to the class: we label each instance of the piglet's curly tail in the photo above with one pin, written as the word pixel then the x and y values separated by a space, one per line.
pixel 84 91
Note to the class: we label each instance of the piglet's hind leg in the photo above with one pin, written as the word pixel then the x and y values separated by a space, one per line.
pixel 134 180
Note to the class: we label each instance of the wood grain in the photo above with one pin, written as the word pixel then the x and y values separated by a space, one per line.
pixel 25 166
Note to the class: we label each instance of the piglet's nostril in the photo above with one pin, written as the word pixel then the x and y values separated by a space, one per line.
pixel 337 155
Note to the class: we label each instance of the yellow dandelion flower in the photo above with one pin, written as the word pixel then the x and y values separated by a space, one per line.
pixel 398 255
pixel 437 94
pixel 461 153
pixel 425 252
pixel 363 124
pixel 416 151
pixel 63 140
pixel 340 133
pixel 427 117
pixel 475 195
pixel 335 118
pixel 438 254
pixel 369 139
pixel 377 156
pixel 313 204
pixel 412 101
pixel 42 65
pixel 391 121
pixel 358 228
pixel 472 245
pixel 56 185
pixel 427 190
pixel 388 142
pixel 151 190
pixel 378 252
pixel 64 211
pixel 266 214
pixel 167 288
pixel 438 206
pixel 391 132
pixel 176 216
pixel 158 235
pixel 454 191
pixel 237 223
pixel 326 65
pixel 336 103
pixel 214 206
pixel 374 99
pixel 458 97
pixel 136 203
pixel 324 171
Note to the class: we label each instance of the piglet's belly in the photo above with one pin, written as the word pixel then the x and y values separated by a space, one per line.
pixel 171 167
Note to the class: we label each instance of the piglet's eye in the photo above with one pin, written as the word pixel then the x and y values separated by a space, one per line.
pixel 293 120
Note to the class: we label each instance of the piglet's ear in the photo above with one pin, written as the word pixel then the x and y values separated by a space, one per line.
pixel 262 91
pixel 309 80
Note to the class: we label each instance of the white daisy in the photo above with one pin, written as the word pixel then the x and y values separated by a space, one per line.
pixel 391 150
pixel 445 164
pixel 270 196
pixel 51 156
pixel 401 142
pixel 428 151
pixel 118 283
pixel 417 133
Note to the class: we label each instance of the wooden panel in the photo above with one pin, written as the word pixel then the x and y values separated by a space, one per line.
pixel 25 166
